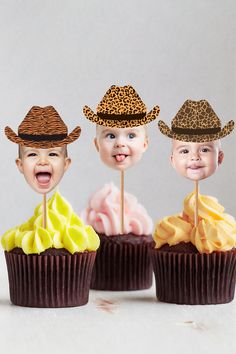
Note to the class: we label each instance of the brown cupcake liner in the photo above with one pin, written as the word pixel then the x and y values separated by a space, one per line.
pixel 194 279
pixel 49 280
pixel 122 263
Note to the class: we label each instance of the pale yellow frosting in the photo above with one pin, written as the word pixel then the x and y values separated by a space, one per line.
pixel 171 230
pixel 208 209
pixel 210 236
pixel 64 230
pixel 216 230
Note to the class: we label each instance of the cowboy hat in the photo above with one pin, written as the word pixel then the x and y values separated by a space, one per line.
pixel 196 122
pixel 121 107
pixel 42 128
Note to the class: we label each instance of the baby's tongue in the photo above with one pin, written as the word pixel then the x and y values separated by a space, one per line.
pixel 43 177
pixel 120 158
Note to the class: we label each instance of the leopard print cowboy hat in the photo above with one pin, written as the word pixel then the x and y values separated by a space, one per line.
pixel 196 122
pixel 42 128
pixel 121 107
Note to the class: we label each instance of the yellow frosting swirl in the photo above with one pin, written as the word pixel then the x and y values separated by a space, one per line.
pixel 211 236
pixel 208 209
pixel 64 230
pixel 216 230
pixel 171 230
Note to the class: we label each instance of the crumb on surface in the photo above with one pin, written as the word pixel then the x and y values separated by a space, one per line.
pixel 106 305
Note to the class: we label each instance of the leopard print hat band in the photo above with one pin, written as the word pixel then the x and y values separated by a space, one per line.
pixel 196 122
pixel 121 107
pixel 42 128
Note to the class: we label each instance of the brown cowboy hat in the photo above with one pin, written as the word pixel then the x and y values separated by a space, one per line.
pixel 121 107
pixel 196 122
pixel 42 128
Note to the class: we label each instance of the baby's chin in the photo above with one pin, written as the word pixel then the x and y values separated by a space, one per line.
pixel 120 166
pixel 42 189
pixel 117 167
pixel 196 177
pixel 199 176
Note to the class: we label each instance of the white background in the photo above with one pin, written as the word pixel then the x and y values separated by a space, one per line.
pixel 67 54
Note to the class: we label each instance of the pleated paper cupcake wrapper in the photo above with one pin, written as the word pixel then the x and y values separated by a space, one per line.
pixel 194 279
pixel 122 266
pixel 49 280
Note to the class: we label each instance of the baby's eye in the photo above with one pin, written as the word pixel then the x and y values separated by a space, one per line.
pixel 205 149
pixel 184 151
pixel 53 154
pixel 131 135
pixel 110 136
pixel 31 154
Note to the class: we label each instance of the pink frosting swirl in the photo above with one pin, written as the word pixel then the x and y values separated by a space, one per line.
pixel 103 213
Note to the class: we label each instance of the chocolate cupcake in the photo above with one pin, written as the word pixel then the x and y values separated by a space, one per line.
pixel 123 261
pixel 50 267
pixel 195 265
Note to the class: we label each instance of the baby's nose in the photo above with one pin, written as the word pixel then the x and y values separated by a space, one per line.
pixel 120 142
pixel 43 160
pixel 195 156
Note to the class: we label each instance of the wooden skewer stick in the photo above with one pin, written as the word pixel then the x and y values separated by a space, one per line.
pixel 196 205
pixel 44 211
pixel 121 202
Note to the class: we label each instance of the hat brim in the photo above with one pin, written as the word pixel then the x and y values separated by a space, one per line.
pixel 122 123
pixel 196 138
pixel 42 144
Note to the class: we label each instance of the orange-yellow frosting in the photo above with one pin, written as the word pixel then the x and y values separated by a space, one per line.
pixel 216 230
pixel 172 230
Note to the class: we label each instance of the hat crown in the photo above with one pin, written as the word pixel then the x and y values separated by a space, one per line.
pixel 42 121
pixel 121 100
pixel 196 115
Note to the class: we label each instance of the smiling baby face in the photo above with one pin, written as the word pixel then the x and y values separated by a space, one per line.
pixel 196 161
pixel 43 168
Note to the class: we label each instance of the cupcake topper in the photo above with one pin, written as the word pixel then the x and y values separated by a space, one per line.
pixel 121 137
pixel 196 131
pixel 42 137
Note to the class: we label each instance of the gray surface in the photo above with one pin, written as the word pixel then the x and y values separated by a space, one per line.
pixel 135 322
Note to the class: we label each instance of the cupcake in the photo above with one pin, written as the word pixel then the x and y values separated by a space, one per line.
pixel 122 261
pixel 195 265
pixel 50 267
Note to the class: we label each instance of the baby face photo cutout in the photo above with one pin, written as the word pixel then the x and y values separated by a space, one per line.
pixel 121 148
pixel 196 147
pixel 121 134
pixel 42 139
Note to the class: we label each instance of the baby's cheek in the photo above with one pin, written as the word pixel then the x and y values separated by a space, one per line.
pixel 137 156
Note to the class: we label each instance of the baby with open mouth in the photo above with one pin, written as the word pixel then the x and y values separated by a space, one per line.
pixel 121 148
pixel 42 147
pixel 43 168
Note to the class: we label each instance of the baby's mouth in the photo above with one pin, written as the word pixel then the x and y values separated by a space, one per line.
pixel 195 167
pixel 43 178
pixel 120 157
